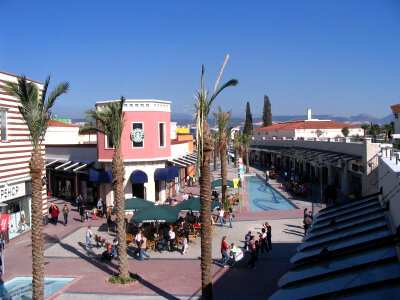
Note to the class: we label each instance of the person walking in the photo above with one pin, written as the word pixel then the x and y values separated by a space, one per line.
pixel 263 240
pixel 99 206
pixel 65 212
pixel 171 234
pixel 252 253
pixel 269 235
pixel 89 234
pixel 138 239
pixel 221 217
pixel 224 252
pixel 54 214
pixel 230 214
pixel 143 248
pixel 307 223
pixel 185 245
pixel 82 212
pixel 79 200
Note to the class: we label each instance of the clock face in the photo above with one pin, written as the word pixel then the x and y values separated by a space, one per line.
pixel 137 135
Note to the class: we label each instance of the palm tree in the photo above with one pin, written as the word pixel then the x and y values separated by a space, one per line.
pixel 110 122
pixel 222 119
pixel 365 128
pixel 236 147
pixel 216 137
pixel 35 111
pixel 204 149
pixel 228 134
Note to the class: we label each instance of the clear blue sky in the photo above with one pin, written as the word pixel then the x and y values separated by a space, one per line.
pixel 337 57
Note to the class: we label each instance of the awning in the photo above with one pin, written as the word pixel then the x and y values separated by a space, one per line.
pixel 94 174
pixel 138 176
pixel 106 176
pixel 166 174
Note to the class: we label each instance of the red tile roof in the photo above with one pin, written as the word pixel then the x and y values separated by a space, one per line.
pixel 396 105
pixel 306 125
pixel 53 123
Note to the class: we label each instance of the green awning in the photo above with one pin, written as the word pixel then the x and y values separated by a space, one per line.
pixel 134 204
pixel 156 213
pixel 193 204
pixel 218 183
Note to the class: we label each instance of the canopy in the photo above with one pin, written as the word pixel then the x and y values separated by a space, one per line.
pixel 106 176
pixel 156 213
pixel 138 176
pixel 136 203
pixel 166 174
pixel 218 183
pixel 94 174
pixel 193 204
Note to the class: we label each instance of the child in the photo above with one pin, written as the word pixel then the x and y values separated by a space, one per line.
pixel 185 245
pixel 87 215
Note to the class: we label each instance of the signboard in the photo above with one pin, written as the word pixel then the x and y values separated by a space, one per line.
pixel 4 222
pixel 8 192
pixel 137 135
pixel 241 168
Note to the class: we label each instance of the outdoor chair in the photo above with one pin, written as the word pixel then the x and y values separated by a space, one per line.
pixel 151 245
pixel 129 238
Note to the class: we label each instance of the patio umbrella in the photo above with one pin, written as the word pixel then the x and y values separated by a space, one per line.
pixel 218 183
pixel 193 204
pixel 133 204
pixel 156 213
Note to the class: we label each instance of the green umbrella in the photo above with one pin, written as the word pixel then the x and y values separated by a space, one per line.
pixel 156 213
pixel 218 183
pixel 193 204
pixel 134 204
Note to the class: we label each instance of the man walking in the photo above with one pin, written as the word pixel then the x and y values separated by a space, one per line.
pixel 89 234
pixel 221 217
pixel 143 248
pixel 65 212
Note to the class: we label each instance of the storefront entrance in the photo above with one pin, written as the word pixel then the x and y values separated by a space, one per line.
pixel 20 216
pixel 138 190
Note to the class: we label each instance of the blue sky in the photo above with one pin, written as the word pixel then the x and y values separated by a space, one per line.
pixel 337 57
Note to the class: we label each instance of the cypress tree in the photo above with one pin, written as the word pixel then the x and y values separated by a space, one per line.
pixel 248 126
pixel 267 115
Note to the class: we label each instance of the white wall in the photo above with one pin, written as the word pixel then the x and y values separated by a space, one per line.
pixel 78 152
pixel 88 138
pixel 259 135
pixel 173 131
pixel 179 149
pixel 62 135
pixel 326 133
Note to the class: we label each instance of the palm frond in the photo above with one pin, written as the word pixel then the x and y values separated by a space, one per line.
pixel 62 88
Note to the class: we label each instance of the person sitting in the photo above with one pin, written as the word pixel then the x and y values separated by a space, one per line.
pixel 107 255
pixel 157 202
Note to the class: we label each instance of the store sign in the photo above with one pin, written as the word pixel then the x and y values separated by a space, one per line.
pixel 137 135
pixel 4 222
pixel 9 192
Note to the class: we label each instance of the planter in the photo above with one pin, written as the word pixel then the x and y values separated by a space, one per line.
pixel 123 284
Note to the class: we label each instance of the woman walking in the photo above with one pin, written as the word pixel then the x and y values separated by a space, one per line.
pixel 224 251
pixel 82 212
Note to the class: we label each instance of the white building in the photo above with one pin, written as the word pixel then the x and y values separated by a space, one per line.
pixel 307 129
pixel 59 133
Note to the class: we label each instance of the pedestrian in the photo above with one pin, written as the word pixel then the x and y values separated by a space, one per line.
pixel 307 223
pixel 231 215
pixel 263 241
pixel 269 235
pixel 193 180
pixel 267 175
pixel 185 245
pixel 94 212
pixel 104 208
pixel 114 251
pixel 247 240
pixel 305 213
pixel 138 239
pixel 87 215
pixel 99 208
pixel 185 196
pixel 252 253
pixel 171 234
pixel 54 214
pixel 143 249
pixel 89 234
pixel 187 180
pixel 221 217
pixel 310 215
pixel 82 212
pixel 79 200
pixel 50 211
pixel 65 212
pixel 224 252
pixel 190 195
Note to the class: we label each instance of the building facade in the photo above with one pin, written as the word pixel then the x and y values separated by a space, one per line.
pixel 15 154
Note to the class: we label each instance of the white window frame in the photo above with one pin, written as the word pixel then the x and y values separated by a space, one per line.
pixel 164 134
pixel 4 125
pixel 132 130
pixel 106 143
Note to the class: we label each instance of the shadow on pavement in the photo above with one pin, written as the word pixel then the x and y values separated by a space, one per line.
pixel 157 290
pixel 294 232
pixel 294 226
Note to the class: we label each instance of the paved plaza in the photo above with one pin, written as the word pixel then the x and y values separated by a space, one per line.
pixel 167 275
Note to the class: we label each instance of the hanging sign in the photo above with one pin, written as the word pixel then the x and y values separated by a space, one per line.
pixel 4 222
pixel 137 135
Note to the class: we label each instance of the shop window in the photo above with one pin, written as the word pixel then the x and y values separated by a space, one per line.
pixel 161 133
pixel 108 142
pixel 4 136
pixel 137 131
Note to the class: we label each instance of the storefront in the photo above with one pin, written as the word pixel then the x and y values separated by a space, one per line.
pixel 18 199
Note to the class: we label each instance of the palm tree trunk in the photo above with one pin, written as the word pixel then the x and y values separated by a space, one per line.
pixel 205 199
pixel 36 167
pixel 224 172
pixel 247 159
pixel 215 154
pixel 118 171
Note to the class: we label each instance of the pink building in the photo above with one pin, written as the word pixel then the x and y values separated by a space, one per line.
pixel 146 148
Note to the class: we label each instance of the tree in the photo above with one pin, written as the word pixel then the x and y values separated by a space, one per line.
pixel 245 141
pixel 267 115
pixel 229 139
pixel 374 130
pixel 35 111
pixel 204 147
pixel 248 126
pixel 345 131
pixel 222 119
pixel 365 128
pixel 215 154
pixel 388 128
pixel 110 122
